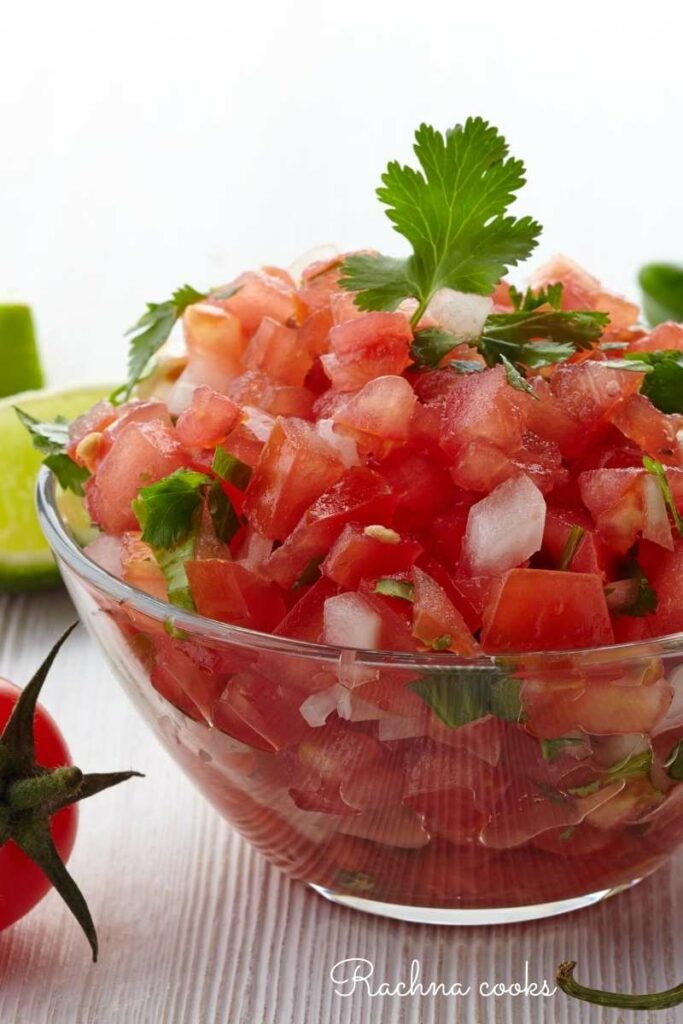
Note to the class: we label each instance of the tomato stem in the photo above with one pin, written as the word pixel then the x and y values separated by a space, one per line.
pixel 647 1001
pixel 30 794
pixel 51 788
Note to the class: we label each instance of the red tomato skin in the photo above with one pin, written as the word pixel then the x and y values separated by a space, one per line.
pixel 22 884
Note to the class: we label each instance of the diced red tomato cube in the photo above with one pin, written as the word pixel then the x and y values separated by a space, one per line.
pixel 371 346
pixel 230 592
pixel 296 466
pixel 481 406
pixel 277 351
pixel 539 609
pixel 140 455
pixel 208 421
pixel 259 294
pixel 435 618
pixel 379 415
pixel 357 555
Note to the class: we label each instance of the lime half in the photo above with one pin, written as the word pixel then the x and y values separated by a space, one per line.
pixel 25 559
pixel 18 350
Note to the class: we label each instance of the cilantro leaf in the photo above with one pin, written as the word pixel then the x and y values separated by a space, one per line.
pixel 52 439
pixel 466 366
pixel 453 213
pixel 552 749
pixel 228 467
pixel 664 382
pixel 151 331
pixel 515 378
pixel 395 588
pixel 656 469
pixel 432 344
pixel 662 287
pixel 461 695
pixel 172 561
pixel 530 299
pixel 165 510
pixel 574 538
pixel 515 334
pixel 633 596
pixel 225 520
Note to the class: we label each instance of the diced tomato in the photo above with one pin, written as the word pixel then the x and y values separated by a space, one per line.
pixel 421 485
pixel 230 592
pixel 663 337
pixel 304 620
pixel 625 503
pixel 277 351
pixel 665 572
pixel 215 334
pixel 140 455
pixel 545 610
pixel 378 416
pixel 481 406
pixel 140 568
pixel 259 294
pixel 371 346
pixel 652 431
pixel 356 555
pixel 557 707
pixel 591 555
pixel 361 496
pixel 436 619
pixel 296 466
pixel 267 708
pixel 208 421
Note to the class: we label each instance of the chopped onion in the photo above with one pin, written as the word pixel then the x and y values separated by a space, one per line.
pixel 459 312
pixel 345 447
pixel 318 707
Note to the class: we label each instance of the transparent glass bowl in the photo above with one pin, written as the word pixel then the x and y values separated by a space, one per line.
pixel 546 783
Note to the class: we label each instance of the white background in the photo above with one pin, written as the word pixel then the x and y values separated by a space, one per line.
pixel 143 144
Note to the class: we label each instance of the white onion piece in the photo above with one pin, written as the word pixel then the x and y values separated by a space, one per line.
pixel 259 422
pixel 657 527
pixel 459 312
pixel 318 707
pixel 506 527
pixel 345 447
pixel 254 549
pixel 355 709
pixel 106 552
pixel 319 254
pixel 349 621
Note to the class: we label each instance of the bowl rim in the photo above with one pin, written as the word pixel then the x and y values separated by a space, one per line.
pixel 67 550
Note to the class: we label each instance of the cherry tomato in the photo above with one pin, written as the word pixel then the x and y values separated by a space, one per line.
pixel 22 883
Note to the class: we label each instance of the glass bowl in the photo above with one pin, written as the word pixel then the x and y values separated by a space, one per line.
pixel 422 787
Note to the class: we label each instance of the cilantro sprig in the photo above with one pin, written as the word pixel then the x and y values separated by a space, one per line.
pixel 52 440
pixel 535 333
pixel 454 214
pixel 461 695
pixel 153 329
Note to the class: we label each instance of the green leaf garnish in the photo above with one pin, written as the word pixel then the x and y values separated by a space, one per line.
pixel 641 598
pixel 518 335
pixel 663 384
pixel 529 300
pixel 632 766
pixel 228 467
pixel 395 588
pixel 432 344
pixel 172 564
pixel 453 213
pixel 151 331
pixel 225 520
pixel 574 538
pixel 461 695
pixel 52 439
pixel 656 469
pixel 515 378
pixel 662 286
pixel 165 510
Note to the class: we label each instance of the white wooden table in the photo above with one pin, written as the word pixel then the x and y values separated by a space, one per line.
pixel 196 928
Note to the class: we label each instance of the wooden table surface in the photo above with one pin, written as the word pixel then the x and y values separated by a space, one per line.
pixel 196 928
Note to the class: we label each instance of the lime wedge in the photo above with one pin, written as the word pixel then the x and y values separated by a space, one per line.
pixel 19 357
pixel 25 559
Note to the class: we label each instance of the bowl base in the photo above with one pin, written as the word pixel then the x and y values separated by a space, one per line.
pixel 470 917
